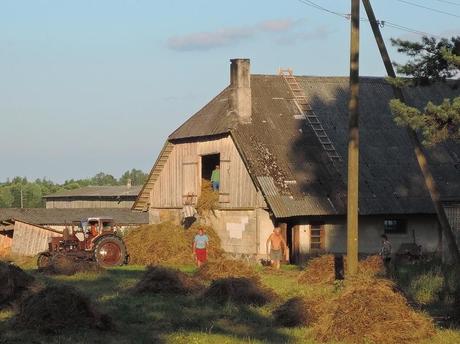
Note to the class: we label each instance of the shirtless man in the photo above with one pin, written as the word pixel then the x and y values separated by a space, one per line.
pixel 277 244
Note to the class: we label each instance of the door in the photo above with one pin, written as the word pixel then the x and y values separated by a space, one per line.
pixel 190 179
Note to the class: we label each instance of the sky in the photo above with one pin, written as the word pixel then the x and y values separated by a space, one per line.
pixel 97 85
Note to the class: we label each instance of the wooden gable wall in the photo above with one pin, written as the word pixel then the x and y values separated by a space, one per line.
pixel 181 175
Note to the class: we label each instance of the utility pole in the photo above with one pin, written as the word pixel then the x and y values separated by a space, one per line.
pixel 418 148
pixel 353 145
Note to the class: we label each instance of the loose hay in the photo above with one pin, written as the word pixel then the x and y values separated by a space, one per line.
pixel 167 243
pixel 14 282
pixel 222 268
pixel 158 279
pixel 56 308
pixel 294 312
pixel 322 269
pixel 369 310
pixel 239 290
pixel 70 267
pixel 208 200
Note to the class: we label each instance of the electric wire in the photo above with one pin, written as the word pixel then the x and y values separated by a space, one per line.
pixel 429 8
pixel 448 2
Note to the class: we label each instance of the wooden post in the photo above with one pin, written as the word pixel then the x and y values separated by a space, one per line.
pixel 418 148
pixel 353 145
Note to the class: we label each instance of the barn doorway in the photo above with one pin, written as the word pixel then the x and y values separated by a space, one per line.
pixel 208 164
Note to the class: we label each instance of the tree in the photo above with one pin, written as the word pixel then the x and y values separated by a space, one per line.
pixel 137 177
pixel 430 62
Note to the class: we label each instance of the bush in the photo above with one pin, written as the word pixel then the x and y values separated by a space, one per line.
pixel 426 288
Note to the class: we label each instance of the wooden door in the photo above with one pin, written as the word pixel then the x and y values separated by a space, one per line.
pixel 190 180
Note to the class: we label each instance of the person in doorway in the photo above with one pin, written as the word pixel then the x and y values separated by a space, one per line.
pixel 199 247
pixel 385 253
pixel 276 244
pixel 188 213
pixel 215 178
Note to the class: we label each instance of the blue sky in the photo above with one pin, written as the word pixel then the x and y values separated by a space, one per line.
pixel 93 85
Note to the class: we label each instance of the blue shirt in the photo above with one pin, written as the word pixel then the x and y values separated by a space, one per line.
pixel 201 241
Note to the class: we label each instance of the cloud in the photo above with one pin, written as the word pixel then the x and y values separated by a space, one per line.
pixel 228 36
pixel 318 33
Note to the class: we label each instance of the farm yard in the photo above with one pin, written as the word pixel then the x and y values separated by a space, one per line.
pixel 167 305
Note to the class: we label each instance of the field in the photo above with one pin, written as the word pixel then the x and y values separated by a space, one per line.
pixel 176 318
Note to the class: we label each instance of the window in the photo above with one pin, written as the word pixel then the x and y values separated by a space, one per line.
pixel 394 226
pixel 316 237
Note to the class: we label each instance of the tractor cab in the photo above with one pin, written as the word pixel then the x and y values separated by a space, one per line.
pixel 95 226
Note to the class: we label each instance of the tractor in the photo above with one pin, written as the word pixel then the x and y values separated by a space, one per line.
pixel 92 240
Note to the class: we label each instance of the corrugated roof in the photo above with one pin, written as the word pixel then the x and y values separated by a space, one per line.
pixel 42 216
pixel 292 169
pixel 98 192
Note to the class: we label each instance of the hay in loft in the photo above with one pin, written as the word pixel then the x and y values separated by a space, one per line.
pixel 167 243
pixel 241 290
pixel 14 283
pixel 57 308
pixel 159 279
pixel 208 200
pixel 370 310
pixel 223 268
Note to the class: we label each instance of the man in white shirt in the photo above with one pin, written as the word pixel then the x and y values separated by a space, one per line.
pixel 188 213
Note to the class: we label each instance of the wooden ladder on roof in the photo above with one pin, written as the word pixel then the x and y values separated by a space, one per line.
pixel 304 107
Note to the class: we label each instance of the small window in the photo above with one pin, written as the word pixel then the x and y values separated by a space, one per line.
pixel 394 226
pixel 316 237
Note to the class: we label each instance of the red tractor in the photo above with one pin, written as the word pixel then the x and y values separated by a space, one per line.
pixel 91 240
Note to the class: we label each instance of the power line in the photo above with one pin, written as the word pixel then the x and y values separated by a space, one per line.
pixel 449 2
pixel 382 23
pixel 429 8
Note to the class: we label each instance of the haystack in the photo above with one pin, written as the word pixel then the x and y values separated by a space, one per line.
pixel 370 310
pixel 56 308
pixel 158 279
pixel 294 312
pixel 208 200
pixel 372 265
pixel 14 282
pixel 241 290
pixel 223 268
pixel 167 243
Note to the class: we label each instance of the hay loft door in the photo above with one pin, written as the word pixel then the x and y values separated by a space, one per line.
pixel 190 180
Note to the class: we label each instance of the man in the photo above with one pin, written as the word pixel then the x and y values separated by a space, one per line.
pixel 188 213
pixel 199 247
pixel 385 253
pixel 277 243
pixel 215 178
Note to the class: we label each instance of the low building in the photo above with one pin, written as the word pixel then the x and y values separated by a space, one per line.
pixel 281 143
pixel 94 197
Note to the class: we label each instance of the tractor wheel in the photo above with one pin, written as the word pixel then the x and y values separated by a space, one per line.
pixel 43 261
pixel 109 251
pixel 63 265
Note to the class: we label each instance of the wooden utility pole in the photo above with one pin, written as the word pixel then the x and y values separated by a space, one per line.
pixel 353 145
pixel 418 148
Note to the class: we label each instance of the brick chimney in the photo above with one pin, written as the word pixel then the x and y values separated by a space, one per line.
pixel 240 83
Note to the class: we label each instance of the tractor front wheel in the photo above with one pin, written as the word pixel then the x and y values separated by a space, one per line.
pixel 43 261
pixel 109 251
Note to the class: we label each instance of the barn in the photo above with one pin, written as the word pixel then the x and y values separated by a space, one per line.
pixel 281 143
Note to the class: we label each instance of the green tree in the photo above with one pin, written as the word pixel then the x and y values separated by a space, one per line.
pixel 430 61
pixel 137 177
pixel 6 198
pixel 103 179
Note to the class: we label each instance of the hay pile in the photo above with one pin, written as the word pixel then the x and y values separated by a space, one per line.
pixel 319 270
pixel 67 266
pixel 208 200
pixel 158 279
pixel 294 312
pixel 372 265
pixel 322 269
pixel 14 282
pixel 167 243
pixel 222 268
pixel 56 308
pixel 370 310
pixel 240 290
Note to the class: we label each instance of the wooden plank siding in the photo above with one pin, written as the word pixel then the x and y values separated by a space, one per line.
pixel 182 174
pixel 28 239
pixel 71 204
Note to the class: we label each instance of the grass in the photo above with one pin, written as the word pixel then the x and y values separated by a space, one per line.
pixel 178 319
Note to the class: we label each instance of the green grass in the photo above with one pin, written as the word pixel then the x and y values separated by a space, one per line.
pixel 178 319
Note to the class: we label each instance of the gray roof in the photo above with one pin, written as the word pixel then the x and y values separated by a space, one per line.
pixel 293 171
pixel 42 216
pixel 99 192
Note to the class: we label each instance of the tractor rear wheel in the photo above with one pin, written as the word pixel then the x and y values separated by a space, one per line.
pixel 43 260
pixel 109 251
pixel 63 264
